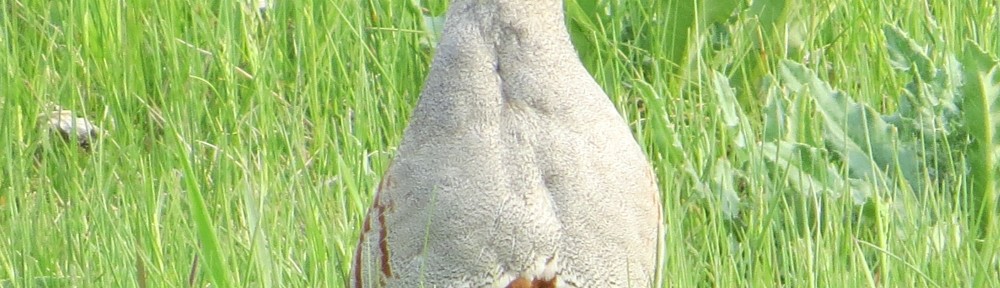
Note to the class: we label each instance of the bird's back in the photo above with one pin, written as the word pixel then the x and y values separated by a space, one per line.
pixel 515 165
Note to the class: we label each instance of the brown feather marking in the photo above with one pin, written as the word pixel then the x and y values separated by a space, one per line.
pixel 383 232
pixel 379 211
pixel 357 252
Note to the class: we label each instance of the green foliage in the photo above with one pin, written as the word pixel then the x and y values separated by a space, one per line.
pixel 982 117
pixel 865 143
pixel 928 117
pixel 922 133
pixel 660 28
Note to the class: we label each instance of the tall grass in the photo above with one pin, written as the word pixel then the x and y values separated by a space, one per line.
pixel 242 149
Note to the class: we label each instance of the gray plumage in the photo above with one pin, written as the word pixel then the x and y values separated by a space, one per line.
pixel 515 168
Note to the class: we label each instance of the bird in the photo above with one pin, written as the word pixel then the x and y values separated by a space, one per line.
pixel 71 128
pixel 515 169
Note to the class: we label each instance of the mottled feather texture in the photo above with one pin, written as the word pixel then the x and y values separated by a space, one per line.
pixel 515 170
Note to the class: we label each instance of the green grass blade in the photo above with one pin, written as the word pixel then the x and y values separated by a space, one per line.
pixel 210 249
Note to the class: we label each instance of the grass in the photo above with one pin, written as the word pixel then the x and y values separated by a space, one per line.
pixel 243 150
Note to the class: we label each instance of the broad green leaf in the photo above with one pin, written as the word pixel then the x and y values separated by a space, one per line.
pixel 768 12
pixel 982 117
pixel 806 169
pixel 724 179
pixel 928 117
pixel 730 109
pixel 727 99
pixel 905 54
pixel 673 149
pixel 718 10
pixel 929 105
pixel 947 85
pixel 867 144
pixel 799 78
pixel 775 115
pixel 581 17
pixel 981 95
pixel 683 18
pixel 787 158
pixel 697 185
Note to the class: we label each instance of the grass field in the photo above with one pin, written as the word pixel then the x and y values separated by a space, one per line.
pixel 242 150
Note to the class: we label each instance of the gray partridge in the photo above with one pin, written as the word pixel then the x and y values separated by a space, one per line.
pixel 515 170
